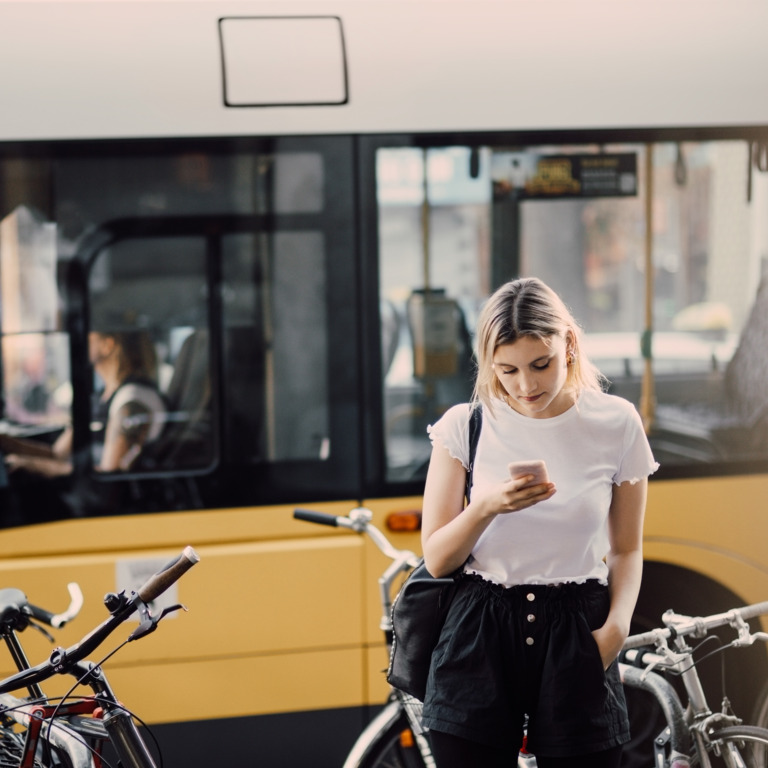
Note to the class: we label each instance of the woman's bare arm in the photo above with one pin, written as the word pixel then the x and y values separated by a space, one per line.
pixel 625 565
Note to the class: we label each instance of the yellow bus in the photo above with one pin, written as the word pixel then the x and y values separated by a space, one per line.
pixel 304 205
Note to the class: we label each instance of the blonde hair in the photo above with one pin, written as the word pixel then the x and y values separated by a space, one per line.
pixel 528 307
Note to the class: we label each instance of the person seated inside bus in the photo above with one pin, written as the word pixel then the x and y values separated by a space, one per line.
pixel 128 413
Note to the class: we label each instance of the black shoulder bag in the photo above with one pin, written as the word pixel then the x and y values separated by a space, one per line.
pixel 421 605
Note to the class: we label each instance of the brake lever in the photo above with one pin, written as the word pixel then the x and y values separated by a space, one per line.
pixel 44 632
pixel 148 623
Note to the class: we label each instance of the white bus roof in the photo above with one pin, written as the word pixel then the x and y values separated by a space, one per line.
pixel 140 68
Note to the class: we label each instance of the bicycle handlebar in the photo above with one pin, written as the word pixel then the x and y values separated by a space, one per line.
pixel 62 660
pixel 359 520
pixel 680 626
pixel 58 620
pixel 159 582
pixel 311 516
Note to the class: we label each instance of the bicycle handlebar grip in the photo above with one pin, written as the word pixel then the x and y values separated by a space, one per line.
pixel 751 611
pixel 646 638
pixel 156 584
pixel 322 518
pixel 46 617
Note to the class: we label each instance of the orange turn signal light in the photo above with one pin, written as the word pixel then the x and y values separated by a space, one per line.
pixel 407 521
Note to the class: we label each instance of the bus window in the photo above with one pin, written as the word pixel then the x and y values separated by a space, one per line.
pixel 165 349
pixel 526 211
pixel 702 406
pixel 35 353
pixel 433 274
pixel 233 264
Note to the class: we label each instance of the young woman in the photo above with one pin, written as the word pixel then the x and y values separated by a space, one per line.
pixel 128 412
pixel 551 570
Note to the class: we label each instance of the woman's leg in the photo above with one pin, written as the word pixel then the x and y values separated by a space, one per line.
pixel 454 752
pixel 611 758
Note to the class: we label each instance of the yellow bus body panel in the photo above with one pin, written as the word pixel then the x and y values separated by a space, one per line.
pixel 715 526
pixel 273 625
pixel 285 616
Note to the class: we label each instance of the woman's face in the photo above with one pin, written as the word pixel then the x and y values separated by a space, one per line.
pixel 533 373
pixel 100 347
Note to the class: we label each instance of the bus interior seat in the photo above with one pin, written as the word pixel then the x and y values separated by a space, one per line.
pixel 734 422
pixel 186 438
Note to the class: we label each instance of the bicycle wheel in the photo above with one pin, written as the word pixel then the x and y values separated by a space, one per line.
pixel 47 756
pixel 393 745
pixel 11 748
pixel 760 711
pixel 740 745
pixel 12 751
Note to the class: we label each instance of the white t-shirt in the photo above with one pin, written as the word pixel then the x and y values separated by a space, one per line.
pixel 595 444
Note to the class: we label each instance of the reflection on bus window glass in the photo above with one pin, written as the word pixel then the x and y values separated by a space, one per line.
pixel 36 382
pixel 35 354
pixel 276 347
pixel 433 273
pixel 186 184
pixel 28 272
pixel 471 233
pixel 151 356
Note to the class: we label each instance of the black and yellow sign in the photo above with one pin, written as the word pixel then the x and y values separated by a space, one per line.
pixel 530 176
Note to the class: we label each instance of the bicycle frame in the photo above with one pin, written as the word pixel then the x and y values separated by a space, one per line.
pixel 81 727
pixel 688 729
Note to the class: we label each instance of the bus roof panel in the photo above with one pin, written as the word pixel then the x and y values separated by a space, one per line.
pixel 125 69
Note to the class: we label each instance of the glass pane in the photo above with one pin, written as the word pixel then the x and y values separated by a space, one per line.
pixel 276 347
pixel 706 400
pixel 99 189
pixel 36 384
pixel 150 355
pixel 254 230
pixel 28 272
pixel 710 304
pixel 430 291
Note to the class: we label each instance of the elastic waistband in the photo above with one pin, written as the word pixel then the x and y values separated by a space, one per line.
pixel 567 591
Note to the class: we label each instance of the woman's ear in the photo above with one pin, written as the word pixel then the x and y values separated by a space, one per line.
pixel 570 347
pixel 570 342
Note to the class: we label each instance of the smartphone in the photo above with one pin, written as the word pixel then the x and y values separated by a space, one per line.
pixel 536 468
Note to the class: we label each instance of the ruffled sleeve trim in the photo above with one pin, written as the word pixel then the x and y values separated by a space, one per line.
pixel 436 436
pixel 636 479
pixel 451 431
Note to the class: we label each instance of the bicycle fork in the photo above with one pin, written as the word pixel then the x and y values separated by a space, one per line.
pixel 118 723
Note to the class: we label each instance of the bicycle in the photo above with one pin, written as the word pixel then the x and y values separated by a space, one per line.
pixel 694 735
pixel 394 738
pixel 95 731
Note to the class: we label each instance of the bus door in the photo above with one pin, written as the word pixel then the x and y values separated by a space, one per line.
pixel 238 312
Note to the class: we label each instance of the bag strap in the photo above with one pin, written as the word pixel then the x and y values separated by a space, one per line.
pixel 475 425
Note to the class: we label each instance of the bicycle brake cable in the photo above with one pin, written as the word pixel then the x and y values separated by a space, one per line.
pixel 44 632
pixel 82 678
pixel 719 649
pixel 78 682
